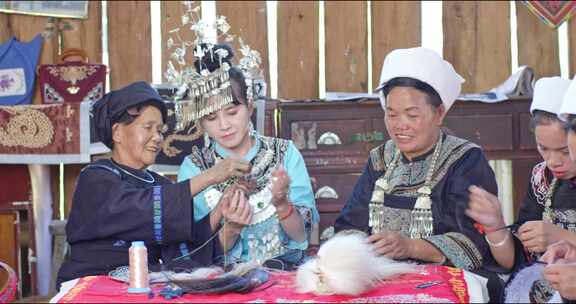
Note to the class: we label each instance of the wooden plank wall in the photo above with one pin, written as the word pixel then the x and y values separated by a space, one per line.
pixel 130 42
pixel 298 49
pixel 537 44
pixel 572 46
pixel 476 41
pixel 171 12
pixel 346 46
pixel 395 24
pixel 251 24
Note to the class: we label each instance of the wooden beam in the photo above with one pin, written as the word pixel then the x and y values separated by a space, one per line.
pixel 85 33
pixel 247 20
pixel 129 42
pixel 346 46
pixel 395 24
pixel 298 49
pixel 477 42
pixel 537 44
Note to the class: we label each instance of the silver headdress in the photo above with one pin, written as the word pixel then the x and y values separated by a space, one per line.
pixel 201 88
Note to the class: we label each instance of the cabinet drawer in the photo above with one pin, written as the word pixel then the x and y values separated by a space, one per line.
pixel 479 129
pixel 328 135
pixel 333 190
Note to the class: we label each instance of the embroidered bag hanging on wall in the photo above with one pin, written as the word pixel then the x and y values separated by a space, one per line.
pixel 18 62
pixel 72 81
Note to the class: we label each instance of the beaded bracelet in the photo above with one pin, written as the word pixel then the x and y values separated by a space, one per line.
pixel 290 210
pixel 499 244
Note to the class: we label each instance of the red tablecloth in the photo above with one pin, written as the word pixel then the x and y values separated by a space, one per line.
pixel 402 289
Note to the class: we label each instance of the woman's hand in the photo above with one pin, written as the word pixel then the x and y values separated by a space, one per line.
pixel 560 250
pixel 280 186
pixel 562 277
pixel 484 208
pixel 236 209
pixel 537 235
pixel 391 244
pixel 227 168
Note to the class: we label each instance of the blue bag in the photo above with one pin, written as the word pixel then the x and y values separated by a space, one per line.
pixel 18 62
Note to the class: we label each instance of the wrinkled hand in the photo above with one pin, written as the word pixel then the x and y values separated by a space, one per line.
pixel 280 184
pixel 484 208
pixel 562 277
pixel 235 208
pixel 227 168
pixel 391 244
pixel 560 250
pixel 537 235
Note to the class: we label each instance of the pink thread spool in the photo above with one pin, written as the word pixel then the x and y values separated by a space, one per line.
pixel 138 268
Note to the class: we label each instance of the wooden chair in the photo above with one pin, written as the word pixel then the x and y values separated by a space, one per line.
pixel 60 249
pixel 8 283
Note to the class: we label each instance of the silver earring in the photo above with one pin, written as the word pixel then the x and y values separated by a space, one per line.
pixel 206 140
pixel 251 129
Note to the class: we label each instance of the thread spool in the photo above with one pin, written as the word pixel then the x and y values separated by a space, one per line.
pixel 138 268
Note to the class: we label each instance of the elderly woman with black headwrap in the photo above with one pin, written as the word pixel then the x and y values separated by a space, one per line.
pixel 118 200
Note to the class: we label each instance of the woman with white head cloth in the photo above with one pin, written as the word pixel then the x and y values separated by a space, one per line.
pixel 561 257
pixel 413 193
pixel 547 213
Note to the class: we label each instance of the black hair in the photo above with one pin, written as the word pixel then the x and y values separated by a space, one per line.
pixel 570 125
pixel 432 96
pixel 212 63
pixel 542 118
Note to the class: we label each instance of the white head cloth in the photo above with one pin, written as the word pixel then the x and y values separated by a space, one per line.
pixel 549 94
pixel 425 65
pixel 568 102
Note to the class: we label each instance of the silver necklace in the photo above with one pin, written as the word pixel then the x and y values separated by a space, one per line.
pixel 421 221
pixel 150 181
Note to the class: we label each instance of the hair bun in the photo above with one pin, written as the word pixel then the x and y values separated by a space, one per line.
pixel 214 55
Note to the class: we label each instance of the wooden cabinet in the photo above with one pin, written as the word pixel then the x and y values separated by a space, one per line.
pixel 335 137
pixel 18 247
pixel 17 242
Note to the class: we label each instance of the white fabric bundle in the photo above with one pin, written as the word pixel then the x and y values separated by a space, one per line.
pixel 346 264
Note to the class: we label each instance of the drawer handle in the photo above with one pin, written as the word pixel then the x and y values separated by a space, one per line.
pixel 368 137
pixel 326 192
pixel 329 138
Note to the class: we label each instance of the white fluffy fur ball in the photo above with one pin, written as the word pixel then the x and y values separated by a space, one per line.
pixel 346 264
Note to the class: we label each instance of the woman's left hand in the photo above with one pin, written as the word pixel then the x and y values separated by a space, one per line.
pixel 280 186
pixel 537 235
pixel 562 277
pixel 391 244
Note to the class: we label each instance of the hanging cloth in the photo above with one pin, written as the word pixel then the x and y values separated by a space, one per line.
pixel 18 62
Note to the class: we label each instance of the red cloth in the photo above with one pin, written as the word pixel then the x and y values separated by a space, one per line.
pixel 400 289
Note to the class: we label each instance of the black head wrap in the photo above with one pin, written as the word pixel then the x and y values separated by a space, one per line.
pixel 113 105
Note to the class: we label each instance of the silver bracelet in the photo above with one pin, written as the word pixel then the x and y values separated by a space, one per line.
pixel 499 244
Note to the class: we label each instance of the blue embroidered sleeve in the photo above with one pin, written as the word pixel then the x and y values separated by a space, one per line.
pixel 186 171
pixel 300 194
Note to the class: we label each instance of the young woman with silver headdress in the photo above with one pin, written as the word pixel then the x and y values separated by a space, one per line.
pixel 413 193
pixel 271 219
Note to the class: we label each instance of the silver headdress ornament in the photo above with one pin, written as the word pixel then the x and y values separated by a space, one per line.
pixel 200 93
